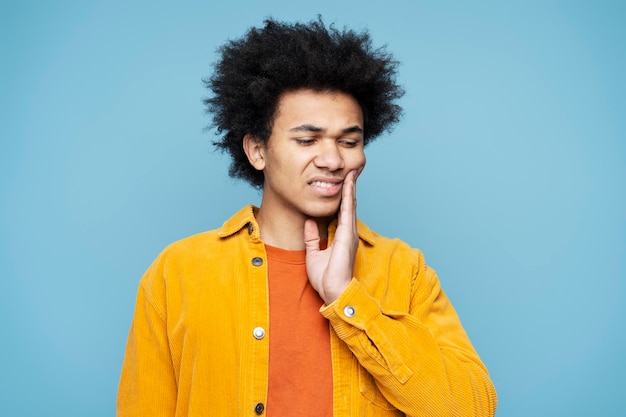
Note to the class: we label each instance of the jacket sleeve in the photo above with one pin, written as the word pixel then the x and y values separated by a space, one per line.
pixel 421 360
pixel 147 384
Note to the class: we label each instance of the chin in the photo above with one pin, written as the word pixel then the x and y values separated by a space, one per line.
pixel 325 212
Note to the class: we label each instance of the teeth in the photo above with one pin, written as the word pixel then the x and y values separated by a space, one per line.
pixel 322 184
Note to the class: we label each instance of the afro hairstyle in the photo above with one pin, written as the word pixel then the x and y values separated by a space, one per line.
pixel 253 72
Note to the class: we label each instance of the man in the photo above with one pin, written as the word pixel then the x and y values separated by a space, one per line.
pixel 296 308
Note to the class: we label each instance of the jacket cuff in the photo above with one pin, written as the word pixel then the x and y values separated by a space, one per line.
pixel 352 311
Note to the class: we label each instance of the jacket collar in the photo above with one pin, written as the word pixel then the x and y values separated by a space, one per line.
pixel 245 218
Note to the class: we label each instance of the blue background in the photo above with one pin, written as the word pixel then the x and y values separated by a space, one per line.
pixel 505 171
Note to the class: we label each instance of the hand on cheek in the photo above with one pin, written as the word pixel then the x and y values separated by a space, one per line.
pixel 330 270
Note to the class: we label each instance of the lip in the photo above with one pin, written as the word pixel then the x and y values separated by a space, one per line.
pixel 326 186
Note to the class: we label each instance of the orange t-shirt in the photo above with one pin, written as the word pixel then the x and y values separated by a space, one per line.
pixel 300 367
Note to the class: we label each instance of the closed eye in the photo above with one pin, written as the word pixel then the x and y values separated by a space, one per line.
pixel 349 143
pixel 305 142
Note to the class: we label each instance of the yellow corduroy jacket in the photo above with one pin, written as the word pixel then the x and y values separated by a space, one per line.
pixel 198 344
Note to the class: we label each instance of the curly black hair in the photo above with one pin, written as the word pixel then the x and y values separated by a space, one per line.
pixel 254 71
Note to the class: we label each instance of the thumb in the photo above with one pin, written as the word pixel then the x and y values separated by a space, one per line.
pixel 311 237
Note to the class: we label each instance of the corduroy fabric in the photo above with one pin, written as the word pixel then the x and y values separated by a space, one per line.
pixel 191 350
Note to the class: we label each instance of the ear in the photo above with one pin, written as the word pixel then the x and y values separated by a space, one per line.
pixel 255 151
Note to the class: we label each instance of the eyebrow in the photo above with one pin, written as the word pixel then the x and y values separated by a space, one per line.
pixel 317 129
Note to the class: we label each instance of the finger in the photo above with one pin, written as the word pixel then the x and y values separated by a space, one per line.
pixel 311 237
pixel 347 211
pixel 356 175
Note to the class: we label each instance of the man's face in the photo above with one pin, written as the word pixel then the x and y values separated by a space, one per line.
pixel 316 139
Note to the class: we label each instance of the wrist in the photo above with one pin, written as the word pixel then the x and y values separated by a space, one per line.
pixel 331 293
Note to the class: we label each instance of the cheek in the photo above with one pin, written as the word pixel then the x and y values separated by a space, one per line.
pixel 358 162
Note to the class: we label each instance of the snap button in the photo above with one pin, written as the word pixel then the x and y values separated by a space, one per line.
pixel 250 228
pixel 256 261
pixel 259 408
pixel 349 311
pixel 259 333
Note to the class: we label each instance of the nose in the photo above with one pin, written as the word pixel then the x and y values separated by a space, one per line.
pixel 329 156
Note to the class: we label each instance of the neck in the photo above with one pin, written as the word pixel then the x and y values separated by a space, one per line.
pixel 286 231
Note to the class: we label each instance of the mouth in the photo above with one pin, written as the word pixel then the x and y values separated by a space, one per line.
pixel 327 187
pixel 323 184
